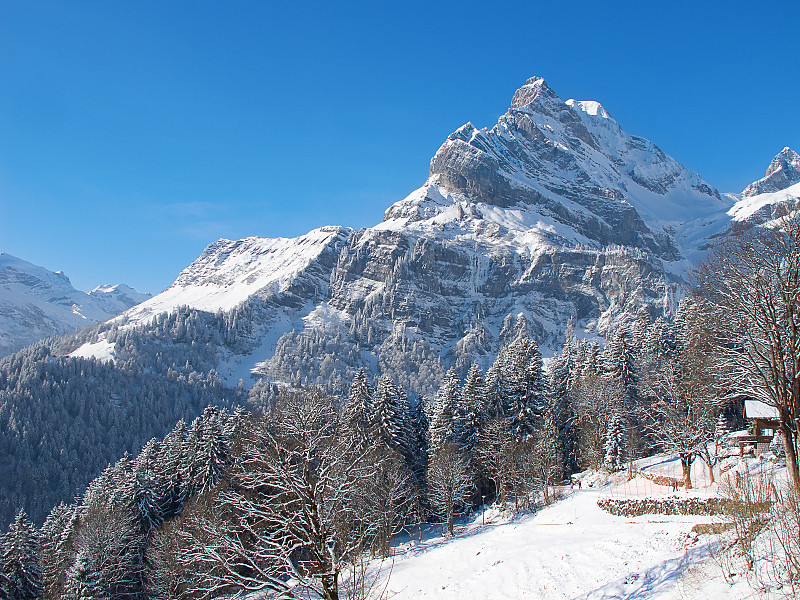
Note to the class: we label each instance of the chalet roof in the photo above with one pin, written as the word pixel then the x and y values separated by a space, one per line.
pixel 753 409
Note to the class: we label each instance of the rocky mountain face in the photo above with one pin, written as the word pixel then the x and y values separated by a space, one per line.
pixel 555 214
pixel 36 303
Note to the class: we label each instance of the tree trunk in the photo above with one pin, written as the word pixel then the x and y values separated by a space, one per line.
pixel 450 521
pixel 330 587
pixel 686 465
pixel 791 455
pixel 711 472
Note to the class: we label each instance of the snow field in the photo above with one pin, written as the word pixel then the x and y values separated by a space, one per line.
pixel 572 549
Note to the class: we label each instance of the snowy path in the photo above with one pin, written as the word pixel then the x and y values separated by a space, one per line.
pixel 570 550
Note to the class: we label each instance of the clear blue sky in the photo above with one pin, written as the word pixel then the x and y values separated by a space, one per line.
pixel 132 134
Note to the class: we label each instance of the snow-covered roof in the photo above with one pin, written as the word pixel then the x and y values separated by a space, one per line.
pixel 753 409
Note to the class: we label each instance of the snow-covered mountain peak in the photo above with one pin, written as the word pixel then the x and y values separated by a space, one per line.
pixel 590 107
pixel 575 166
pixel 783 171
pixel 786 159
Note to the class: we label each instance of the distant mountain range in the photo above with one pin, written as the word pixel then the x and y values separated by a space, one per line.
pixel 36 303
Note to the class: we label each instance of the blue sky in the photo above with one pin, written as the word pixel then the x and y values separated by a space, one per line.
pixel 132 134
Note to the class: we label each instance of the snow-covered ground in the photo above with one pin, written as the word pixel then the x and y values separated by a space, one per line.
pixel 571 549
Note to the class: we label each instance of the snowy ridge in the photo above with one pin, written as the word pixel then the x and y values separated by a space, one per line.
pixel 231 271
pixel 771 196
pixel 118 298
pixel 763 207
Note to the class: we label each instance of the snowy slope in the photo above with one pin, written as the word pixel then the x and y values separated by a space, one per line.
pixel 569 550
pixel 763 207
pixel 229 272
pixel 36 303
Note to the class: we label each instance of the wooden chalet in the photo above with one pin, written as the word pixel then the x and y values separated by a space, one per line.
pixel 764 424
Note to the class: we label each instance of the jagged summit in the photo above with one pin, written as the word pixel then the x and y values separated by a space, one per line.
pixel 535 90
pixel 783 171
pixel 575 166
pixel 786 160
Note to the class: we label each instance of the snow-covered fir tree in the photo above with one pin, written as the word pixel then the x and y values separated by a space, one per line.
pixel 471 412
pixel 21 575
pixel 443 424
pixel 620 363
pixel 614 444
pixel 392 419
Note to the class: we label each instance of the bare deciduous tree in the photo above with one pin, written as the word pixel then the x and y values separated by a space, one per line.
pixel 752 278
pixel 678 418
pixel 304 491
pixel 449 481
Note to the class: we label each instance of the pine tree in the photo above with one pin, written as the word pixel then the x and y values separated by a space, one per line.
pixel 419 428
pixel 660 342
pixel 148 489
pixel 22 579
pixel 590 363
pixel 614 444
pixel 391 417
pixel 536 384
pixel 442 421
pixel 522 386
pixel 620 364
pixel 492 395
pixel 55 552
pixel 171 470
pixel 357 413
pixel 471 412
pixel 213 449
pixel 561 412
